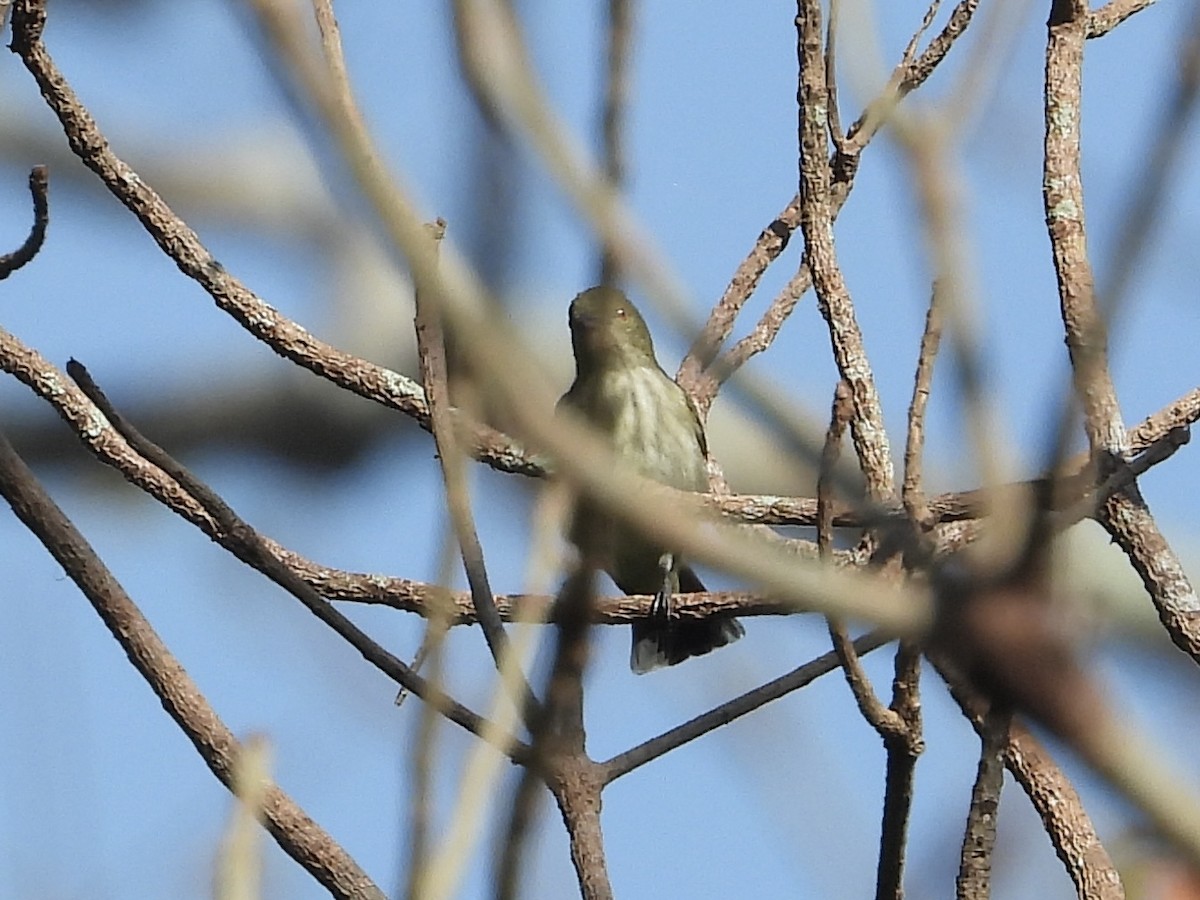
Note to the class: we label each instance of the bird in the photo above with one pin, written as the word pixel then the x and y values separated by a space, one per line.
pixel 652 426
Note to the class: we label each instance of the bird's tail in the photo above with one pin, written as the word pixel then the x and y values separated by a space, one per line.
pixel 658 642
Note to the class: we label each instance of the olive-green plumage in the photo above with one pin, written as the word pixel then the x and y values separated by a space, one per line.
pixel 653 427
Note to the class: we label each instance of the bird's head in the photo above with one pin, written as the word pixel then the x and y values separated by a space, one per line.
pixel 607 330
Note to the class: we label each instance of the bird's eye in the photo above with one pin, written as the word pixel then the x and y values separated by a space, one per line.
pixel 620 312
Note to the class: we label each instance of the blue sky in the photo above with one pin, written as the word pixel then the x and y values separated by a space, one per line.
pixel 101 796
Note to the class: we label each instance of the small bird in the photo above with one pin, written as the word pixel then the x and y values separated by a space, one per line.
pixel 653 427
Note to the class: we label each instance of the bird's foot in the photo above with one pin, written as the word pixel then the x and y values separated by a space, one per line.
pixel 661 607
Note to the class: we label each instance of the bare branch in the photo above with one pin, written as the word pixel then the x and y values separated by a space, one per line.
pixel 626 762
pixel 1127 519
pixel 39 182
pixel 185 249
pixel 1058 805
pixel 576 787
pixel 974 880
pixel 913 490
pixel 833 298
pixel 1107 17
pixel 885 721
pixel 247 545
pixel 297 834
pixel 431 349
pixel 903 747
pixel 763 334
pixel 908 76
pixel 1067 823
pixel 1086 331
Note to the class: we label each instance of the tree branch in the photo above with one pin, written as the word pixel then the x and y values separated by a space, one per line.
pixel 247 545
pixel 648 751
pixel 974 880
pixel 833 298
pixel 908 75
pixel 181 244
pixel 39 181
pixel 297 835
pixel 1062 193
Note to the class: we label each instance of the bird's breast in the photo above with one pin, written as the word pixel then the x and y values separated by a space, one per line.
pixel 654 429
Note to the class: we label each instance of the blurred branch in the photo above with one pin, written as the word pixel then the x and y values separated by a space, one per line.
pixel 184 247
pixel 297 834
pixel 581 456
pixel 239 862
pixel 495 63
pixel 521 819
pixel 613 110
pixel 39 182
pixel 1143 205
pixel 1007 637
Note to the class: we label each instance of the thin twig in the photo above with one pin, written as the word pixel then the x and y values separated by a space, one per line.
pixel 431 351
pixel 878 716
pixel 297 834
pixel 837 137
pixel 839 416
pixel 913 489
pixel 1105 18
pixel 903 747
pixel 764 332
pixel 648 751
pixel 39 184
